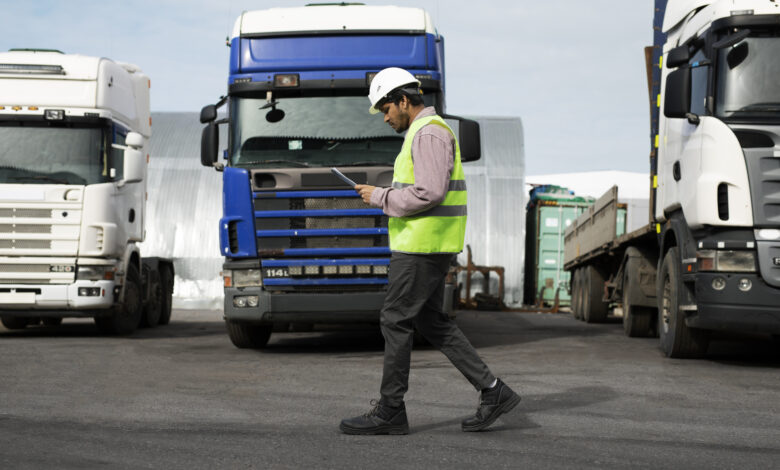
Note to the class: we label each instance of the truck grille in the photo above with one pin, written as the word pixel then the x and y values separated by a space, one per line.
pixel 7 212
pixel 320 240
pixel 40 231
pixel 764 174
pixel 26 244
pixel 24 268
pixel 43 271
pixel 25 228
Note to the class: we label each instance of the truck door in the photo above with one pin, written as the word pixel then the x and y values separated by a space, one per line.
pixel 128 198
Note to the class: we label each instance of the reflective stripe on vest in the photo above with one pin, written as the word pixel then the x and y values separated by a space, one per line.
pixel 442 228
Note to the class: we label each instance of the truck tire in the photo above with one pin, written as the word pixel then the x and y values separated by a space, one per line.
pixel 573 298
pixel 125 317
pixel 248 335
pixel 14 323
pixel 576 296
pixel 153 305
pixel 166 278
pixel 676 338
pixel 593 309
pixel 637 320
pixel 581 294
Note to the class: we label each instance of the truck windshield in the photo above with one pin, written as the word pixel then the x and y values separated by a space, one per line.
pixel 37 153
pixel 748 87
pixel 314 132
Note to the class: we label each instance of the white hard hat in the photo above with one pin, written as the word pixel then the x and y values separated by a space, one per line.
pixel 386 81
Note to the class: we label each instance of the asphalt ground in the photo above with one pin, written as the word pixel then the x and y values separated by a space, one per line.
pixel 181 396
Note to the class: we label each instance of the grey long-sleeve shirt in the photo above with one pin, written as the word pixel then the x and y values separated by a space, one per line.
pixel 433 154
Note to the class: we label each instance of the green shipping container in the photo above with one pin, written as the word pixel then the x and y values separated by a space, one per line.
pixel 550 211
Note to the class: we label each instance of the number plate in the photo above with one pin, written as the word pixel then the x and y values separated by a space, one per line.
pixel 276 272
pixel 17 298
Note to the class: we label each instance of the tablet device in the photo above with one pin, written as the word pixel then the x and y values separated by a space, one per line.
pixel 343 177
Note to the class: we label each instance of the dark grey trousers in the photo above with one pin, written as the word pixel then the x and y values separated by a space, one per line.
pixel 414 301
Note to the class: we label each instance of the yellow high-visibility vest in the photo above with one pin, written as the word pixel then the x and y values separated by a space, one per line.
pixel 442 228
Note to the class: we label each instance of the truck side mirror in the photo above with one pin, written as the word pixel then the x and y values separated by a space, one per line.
pixel 677 57
pixel 677 103
pixel 468 138
pixel 470 141
pixel 209 143
pixel 208 113
pixel 134 166
pixel 135 140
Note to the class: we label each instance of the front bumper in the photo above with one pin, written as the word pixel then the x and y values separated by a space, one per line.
pixel 757 310
pixel 325 307
pixel 32 299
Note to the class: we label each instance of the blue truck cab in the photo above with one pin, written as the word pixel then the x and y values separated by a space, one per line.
pixel 300 246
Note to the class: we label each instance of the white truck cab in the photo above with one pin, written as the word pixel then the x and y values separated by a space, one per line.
pixel 74 142
pixel 710 257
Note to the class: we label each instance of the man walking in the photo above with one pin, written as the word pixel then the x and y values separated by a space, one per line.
pixel 427 209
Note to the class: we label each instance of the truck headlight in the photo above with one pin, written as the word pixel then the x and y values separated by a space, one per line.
pixel 735 261
pixel 247 278
pixel 95 273
pixel 244 301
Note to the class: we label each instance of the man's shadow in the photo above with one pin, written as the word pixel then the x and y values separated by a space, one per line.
pixel 518 418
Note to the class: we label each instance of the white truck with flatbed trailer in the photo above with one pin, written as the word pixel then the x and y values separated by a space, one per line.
pixel 710 257
pixel 74 137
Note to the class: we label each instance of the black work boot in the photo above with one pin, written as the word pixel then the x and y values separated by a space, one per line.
pixel 383 419
pixel 493 402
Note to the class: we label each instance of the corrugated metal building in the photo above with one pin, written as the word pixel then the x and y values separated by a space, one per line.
pixel 184 206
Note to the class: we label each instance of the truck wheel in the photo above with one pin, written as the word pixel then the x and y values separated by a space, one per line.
pixel 248 335
pixel 593 309
pixel 14 323
pixel 676 338
pixel 637 321
pixel 51 321
pixel 573 298
pixel 153 305
pixel 576 296
pixel 166 278
pixel 125 317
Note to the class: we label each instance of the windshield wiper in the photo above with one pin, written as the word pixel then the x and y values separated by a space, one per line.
pixel 42 178
pixel 291 162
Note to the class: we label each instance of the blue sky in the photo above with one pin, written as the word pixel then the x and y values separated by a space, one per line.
pixel 572 70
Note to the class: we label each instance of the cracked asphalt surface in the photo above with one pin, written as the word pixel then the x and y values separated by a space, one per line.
pixel 181 396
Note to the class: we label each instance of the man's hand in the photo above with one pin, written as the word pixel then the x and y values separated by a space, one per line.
pixel 365 192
